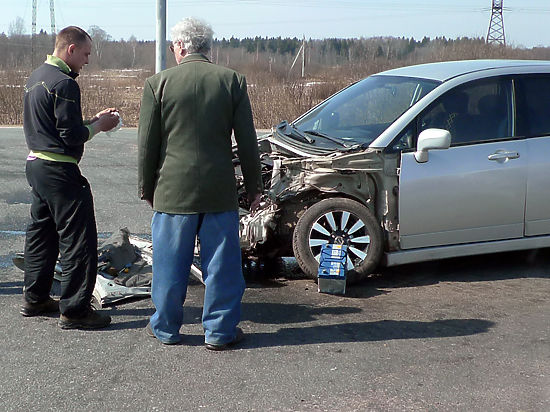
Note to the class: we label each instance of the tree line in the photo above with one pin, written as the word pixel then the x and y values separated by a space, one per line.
pixel 118 68
pixel 276 53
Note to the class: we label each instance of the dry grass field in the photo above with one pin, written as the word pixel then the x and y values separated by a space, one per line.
pixel 273 98
pixel 275 93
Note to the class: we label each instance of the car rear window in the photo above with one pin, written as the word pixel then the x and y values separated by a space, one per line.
pixel 533 105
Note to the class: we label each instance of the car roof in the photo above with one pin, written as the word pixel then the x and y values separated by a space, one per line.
pixel 443 71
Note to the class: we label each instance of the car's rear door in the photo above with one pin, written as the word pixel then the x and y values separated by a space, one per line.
pixel 533 123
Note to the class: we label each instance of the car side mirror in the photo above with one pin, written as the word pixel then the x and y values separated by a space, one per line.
pixel 431 139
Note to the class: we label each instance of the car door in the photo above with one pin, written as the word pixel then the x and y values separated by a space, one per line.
pixel 475 190
pixel 533 123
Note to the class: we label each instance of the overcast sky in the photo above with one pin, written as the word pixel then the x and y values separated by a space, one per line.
pixel 526 22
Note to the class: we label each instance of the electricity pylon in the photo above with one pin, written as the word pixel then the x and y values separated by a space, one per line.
pixel 52 21
pixel 496 25
pixel 52 17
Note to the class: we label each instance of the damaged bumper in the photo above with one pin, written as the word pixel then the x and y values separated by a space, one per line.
pixel 131 282
pixel 107 291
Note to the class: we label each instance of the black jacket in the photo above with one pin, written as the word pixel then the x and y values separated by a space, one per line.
pixel 52 116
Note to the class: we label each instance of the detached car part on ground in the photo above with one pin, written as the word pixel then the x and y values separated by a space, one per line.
pixel 124 269
pixel 418 163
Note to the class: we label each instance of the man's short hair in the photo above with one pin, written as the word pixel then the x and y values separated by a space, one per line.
pixel 196 35
pixel 71 35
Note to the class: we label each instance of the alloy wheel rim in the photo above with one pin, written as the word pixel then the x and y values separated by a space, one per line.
pixel 340 227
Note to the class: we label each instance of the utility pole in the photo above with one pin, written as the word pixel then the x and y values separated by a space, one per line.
pixel 301 50
pixel 160 54
pixel 304 57
pixel 496 25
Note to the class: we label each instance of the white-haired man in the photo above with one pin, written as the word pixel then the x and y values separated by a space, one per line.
pixel 186 174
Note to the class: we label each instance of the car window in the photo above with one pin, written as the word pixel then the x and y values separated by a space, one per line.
pixel 404 141
pixel 475 112
pixel 361 112
pixel 381 105
pixel 533 105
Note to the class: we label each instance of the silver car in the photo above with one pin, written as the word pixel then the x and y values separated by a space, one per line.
pixel 412 164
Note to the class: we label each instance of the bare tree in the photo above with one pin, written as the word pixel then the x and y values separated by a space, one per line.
pixel 16 27
pixel 100 38
pixel 132 41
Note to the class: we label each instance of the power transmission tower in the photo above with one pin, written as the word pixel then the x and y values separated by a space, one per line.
pixel 52 21
pixel 496 25
pixel 52 18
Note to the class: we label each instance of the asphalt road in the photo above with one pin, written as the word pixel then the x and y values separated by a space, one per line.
pixel 457 335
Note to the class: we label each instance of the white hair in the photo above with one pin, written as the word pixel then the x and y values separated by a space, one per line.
pixel 196 35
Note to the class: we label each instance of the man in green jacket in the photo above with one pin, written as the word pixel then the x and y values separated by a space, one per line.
pixel 187 117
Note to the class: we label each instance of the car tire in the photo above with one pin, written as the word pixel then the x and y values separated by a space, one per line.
pixel 344 221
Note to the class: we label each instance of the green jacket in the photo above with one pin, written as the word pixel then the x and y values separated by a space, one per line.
pixel 186 120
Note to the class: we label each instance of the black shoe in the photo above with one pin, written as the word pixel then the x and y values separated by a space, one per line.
pixel 33 309
pixel 91 320
pixel 223 346
pixel 149 332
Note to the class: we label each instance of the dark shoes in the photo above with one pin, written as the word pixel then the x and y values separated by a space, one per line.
pixel 92 319
pixel 223 346
pixel 35 309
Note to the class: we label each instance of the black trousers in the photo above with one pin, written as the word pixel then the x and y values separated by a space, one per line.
pixel 63 224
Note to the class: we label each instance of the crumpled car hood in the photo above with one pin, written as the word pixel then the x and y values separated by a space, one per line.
pixel 292 147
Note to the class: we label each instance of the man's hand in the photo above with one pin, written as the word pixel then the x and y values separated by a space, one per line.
pixel 109 110
pixel 255 203
pixel 105 121
pixel 148 199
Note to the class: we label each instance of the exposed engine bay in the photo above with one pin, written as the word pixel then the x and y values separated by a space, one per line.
pixel 294 181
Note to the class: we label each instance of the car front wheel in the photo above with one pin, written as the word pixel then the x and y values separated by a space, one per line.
pixel 338 221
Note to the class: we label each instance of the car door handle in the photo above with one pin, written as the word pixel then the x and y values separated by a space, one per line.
pixel 498 155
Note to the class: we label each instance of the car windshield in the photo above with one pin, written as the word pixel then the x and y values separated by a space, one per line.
pixel 361 112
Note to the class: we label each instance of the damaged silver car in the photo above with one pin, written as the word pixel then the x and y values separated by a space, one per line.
pixel 412 164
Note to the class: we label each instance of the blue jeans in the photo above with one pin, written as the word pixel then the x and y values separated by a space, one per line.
pixel 220 252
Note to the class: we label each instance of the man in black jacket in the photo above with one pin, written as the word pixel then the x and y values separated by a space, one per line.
pixel 62 211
